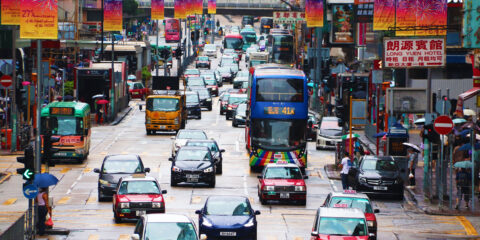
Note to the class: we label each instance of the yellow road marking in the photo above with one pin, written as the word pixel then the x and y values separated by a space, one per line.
pixel 87 170
pixel 467 225
pixel 169 198
pixel 63 200
pixel 196 199
pixel 124 237
pixel 7 176
pixel 103 153
pixel 272 238
pixel 91 200
pixel 9 201
pixel 65 170
pixel 93 237
pixel 124 152
pixel 298 238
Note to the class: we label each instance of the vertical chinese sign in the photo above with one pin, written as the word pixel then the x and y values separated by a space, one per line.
pixel 39 19
pixel 314 13
pixel 158 9
pixel 471 24
pixel 212 6
pixel 383 15
pixel 112 15
pixel 10 12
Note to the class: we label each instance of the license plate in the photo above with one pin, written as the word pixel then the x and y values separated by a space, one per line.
pixel 140 213
pixel 193 180
pixel 382 188
pixel 135 92
pixel 284 195
pixel 162 127
pixel 60 154
pixel 193 176
pixel 228 234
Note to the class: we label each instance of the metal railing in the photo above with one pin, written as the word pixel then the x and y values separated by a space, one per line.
pixel 16 230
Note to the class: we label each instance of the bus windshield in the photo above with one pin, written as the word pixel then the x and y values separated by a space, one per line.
pixel 279 90
pixel 162 104
pixel 249 37
pixel 278 135
pixel 65 125
pixel 233 43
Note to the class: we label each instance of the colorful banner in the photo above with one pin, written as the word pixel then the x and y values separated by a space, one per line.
pixel 10 12
pixel 383 15
pixel 39 19
pixel 471 25
pixel 431 13
pixel 212 6
pixel 189 7
pixel 158 9
pixel 314 13
pixel 179 8
pixel 406 16
pixel 199 8
pixel 112 15
pixel 342 24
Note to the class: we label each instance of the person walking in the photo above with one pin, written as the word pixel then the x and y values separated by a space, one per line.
pixel 412 165
pixel 463 179
pixel 345 165
pixel 43 209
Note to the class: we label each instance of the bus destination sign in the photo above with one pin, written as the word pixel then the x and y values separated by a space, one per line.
pixel 279 110
pixel 62 111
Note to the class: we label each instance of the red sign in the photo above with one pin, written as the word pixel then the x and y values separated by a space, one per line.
pixel 408 52
pixel 6 80
pixel 443 125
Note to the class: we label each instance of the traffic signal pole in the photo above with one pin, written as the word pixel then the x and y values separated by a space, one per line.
pixel 13 106
pixel 156 52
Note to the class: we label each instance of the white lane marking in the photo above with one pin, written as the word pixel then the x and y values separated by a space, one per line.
pixel 333 186
pixel 245 189
pixel 237 146
pixel 217 118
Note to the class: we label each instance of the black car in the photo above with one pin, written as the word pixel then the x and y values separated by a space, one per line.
pixel 378 175
pixel 193 105
pixel 205 97
pixel 193 165
pixel 233 101
pixel 115 167
pixel 240 115
pixel 225 73
pixel 214 150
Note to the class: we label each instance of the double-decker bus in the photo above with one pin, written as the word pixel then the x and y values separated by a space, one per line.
pixel 70 121
pixel 172 30
pixel 277 116
pixel 282 49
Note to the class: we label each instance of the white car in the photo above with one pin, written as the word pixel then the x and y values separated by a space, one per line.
pixel 210 50
pixel 329 133
pixel 183 136
pixel 165 226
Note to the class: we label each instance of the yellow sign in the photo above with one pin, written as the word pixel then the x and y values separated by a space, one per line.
pixel 10 12
pixel 39 19
pixel 279 110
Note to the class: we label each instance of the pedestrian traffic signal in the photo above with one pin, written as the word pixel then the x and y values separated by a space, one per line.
pixel 28 171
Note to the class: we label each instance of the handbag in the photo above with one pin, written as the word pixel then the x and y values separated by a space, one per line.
pixel 49 222
pixel 410 175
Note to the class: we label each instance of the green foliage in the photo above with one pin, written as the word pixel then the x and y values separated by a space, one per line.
pixel 68 88
pixel 146 75
pixel 130 7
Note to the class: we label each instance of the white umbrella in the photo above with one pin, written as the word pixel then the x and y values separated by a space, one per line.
pixel 469 112
pixel 420 121
pixel 132 77
pixel 415 147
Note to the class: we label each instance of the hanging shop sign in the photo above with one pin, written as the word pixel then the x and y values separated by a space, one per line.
pixel 408 53
pixel 288 17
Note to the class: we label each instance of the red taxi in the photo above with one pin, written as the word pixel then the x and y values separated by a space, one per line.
pixel 340 224
pixel 352 199
pixel 137 195
pixel 282 181
pixel 137 90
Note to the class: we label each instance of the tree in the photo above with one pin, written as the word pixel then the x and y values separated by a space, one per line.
pixel 146 75
pixel 130 7
pixel 68 88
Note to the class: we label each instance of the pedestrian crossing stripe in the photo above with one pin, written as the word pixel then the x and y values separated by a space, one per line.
pixel 9 201
pixel 63 200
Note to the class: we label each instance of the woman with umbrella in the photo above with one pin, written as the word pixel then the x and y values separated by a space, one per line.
pixel 43 209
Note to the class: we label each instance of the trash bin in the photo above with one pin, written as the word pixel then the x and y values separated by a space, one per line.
pixel 6 138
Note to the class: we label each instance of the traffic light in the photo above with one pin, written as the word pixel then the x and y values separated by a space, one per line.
pixel 430 134
pixel 192 35
pixel 28 171
pixel 178 52
pixel 48 149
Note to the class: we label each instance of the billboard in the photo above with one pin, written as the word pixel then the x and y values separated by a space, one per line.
pixel 383 15
pixel 471 24
pixel 289 17
pixel 212 6
pixel 314 13
pixel 112 15
pixel 157 9
pixel 409 52
pixel 10 12
pixel 342 24
pixel 407 100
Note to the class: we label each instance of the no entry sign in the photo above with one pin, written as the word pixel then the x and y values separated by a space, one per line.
pixel 443 125
pixel 6 80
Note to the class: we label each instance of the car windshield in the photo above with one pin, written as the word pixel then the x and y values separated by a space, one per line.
pixel 249 37
pixel 211 145
pixel 379 165
pixel 229 51
pixel 202 58
pixel 192 98
pixel 225 97
pixel 360 203
pixel 191 135
pixel 192 72
pixel 138 187
pixel 245 84
pixel 129 166
pixel 210 81
pixel 243 74
pixel 193 155
pixel 224 70
pixel 163 104
pixel 227 207
pixel 138 86
pixel 195 82
pixel 170 231
pixel 330 125
pixel 208 76
pixel 242 108
pixel 210 47
pixel 283 173
pixel 64 125
pixel 342 226
pixel 233 43
pixel 280 90
pixel 204 93
pixel 236 100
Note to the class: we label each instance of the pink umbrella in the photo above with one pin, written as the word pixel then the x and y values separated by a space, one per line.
pixel 102 101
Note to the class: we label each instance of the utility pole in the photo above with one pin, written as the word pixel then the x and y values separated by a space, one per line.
pixel 212 32
pixel 38 142
pixel 112 85
pixel 156 51
pixel 13 106
pixel 101 44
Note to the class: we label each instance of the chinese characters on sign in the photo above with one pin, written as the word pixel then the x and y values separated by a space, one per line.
pixel 407 53
pixel 288 17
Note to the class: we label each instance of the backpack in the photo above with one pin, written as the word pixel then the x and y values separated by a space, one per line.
pixel 463 179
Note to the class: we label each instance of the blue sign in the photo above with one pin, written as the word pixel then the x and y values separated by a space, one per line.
pixel 30 191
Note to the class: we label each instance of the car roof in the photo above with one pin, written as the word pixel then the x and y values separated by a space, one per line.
pixel 329 118
pixel 366 157
pixel 167 217
pixel 341 212
pixel 227 196
pixel 194 148
pixel 122 157
pixel 191 130
pixel 202 140
pixel 263 72
pixel 350 195
pixel 282 165
pixel 237 95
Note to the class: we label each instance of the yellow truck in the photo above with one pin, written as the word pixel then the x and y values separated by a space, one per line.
pixel 165 111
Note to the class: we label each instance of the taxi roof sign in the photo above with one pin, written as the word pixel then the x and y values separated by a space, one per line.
pixel 340 205
pixel 348 191
pixel 282 162
pixel 138 175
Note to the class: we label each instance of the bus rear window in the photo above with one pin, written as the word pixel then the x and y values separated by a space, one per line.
pixel 279 90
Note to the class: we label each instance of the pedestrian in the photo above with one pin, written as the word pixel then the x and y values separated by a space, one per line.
pixel 463 179
pixel 412 165
pixel 345 165
pixel 43 209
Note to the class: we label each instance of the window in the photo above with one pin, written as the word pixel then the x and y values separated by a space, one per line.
pixel 360 203
pixel 170 230
pixel 379 165
pixel 138 187
pixel 342 226
pixel 64 125
pixel 278 134
pixel 283 173
pixel 279 90
pixel 191 135
pixel 113 166
pixel 227 207
pixel 193 155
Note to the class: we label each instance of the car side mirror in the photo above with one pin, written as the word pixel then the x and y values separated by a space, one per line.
pixel 259 177
pixel 164 191
pixel 170 159
pixel 147 169
pixel 257 212
pixel 315 234
pixel 140 106
pixel 305 177
pixel 222 150
pixel 376 211
pixel 203 237
pixel 135 236
pixel 96 170
pixel 198 211
pixel 371 236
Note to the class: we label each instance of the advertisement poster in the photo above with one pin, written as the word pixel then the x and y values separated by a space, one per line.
pixel 112 15
pixel 10 12
pixel 342 24
pixel 471 25
pixel 212 6
pixel 199 7
pixel 39 19
pixel 408 53
pixel 314 13
pixel 431 12
pixel 406 16
pixel 178 9
pixel 383 15
pixel 157 9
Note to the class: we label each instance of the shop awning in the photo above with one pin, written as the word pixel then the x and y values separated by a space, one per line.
pixel 465 96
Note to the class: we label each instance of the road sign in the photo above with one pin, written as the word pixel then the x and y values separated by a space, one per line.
pixel 30 191
pixel 27 175
pixel 441 105
pixel 443 125
pixel 6 80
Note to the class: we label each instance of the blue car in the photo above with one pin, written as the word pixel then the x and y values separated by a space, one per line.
pixel 228 217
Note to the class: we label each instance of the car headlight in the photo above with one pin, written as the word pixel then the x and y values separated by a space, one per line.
pixel 176 169
pixel 269 188
pixel 157 204
pixel 299 188
pixel 370 223
pixel 362 180
pixel 249 223
pixel 79 151
pixel 208 100
pixel 230 108
pixel 208 170
pixel 238 117
pixel 397 181
pixel 207 223
pixel 104 182
pixel 175 121
pixel 124 205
